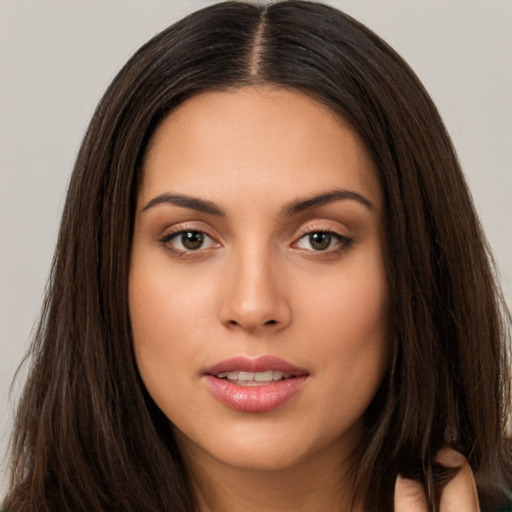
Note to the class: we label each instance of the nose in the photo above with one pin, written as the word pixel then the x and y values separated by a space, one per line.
pixel 255 296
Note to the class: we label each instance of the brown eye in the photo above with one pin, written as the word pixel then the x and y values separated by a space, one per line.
pixel 320 241
pixel 184 241
pixel 329 242
pixel 192 240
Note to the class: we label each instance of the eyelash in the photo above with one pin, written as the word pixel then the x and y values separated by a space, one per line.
pixel 166 241
pixel 345 243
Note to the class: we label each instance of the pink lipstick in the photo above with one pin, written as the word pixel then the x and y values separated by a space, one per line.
pixel 258 384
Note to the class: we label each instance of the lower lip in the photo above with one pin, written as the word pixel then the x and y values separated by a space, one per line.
pixel 255 398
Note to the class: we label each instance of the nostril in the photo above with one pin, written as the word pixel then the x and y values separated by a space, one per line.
pixel 270 322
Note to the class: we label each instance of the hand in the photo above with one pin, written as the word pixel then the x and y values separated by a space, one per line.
pixel 459 495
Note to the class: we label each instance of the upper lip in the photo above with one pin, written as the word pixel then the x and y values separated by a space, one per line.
pixel 255 364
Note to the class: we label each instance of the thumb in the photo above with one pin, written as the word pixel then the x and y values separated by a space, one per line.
pixel 409 496
pixel 460 493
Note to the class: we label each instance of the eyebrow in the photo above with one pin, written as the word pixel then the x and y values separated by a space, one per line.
pixel 328 197
pixel 183 201
pixel 290 209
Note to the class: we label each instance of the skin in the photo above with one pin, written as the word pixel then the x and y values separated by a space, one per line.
pixel 459 494
pixel 257 284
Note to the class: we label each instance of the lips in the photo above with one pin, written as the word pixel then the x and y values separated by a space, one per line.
pixel 259 384
pixel 255 364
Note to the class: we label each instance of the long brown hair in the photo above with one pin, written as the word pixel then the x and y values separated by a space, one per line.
pixel 89 437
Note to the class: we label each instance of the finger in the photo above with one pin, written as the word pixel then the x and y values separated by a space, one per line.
pixel 460 494
pixel 409 496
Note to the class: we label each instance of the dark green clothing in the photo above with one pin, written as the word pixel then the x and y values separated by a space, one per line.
pixel 506 508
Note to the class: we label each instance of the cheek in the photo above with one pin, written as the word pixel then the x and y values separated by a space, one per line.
pixel 350 326
pixel 167 319
pixel 166 324
pixel 353 307
pixel 164 301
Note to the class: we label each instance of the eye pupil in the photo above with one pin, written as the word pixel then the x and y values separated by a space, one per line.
pixel 320 241
pixel 192 239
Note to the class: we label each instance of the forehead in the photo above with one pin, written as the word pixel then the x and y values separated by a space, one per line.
pixel 257 139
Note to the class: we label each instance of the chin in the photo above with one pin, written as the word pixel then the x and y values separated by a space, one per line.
pixel 271 447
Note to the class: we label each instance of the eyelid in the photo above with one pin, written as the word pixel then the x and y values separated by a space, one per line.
pixel 183 227
pixel 200 227
pixel 345 242
pixel 334 234
pixel 325 226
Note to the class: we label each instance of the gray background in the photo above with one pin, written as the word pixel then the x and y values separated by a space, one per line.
pixel 58 56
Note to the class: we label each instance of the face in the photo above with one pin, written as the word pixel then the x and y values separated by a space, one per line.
pixel 258 294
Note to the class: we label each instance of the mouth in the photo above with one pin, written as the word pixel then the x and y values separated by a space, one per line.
pixel 257 384
pixel 244 369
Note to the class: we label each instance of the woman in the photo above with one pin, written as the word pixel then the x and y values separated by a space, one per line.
pixel 270 290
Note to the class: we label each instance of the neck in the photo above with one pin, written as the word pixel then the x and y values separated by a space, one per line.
pixel 320 483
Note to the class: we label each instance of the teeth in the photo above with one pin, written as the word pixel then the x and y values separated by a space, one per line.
pixel 252 378
pixel 243 376
pixel 263 376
